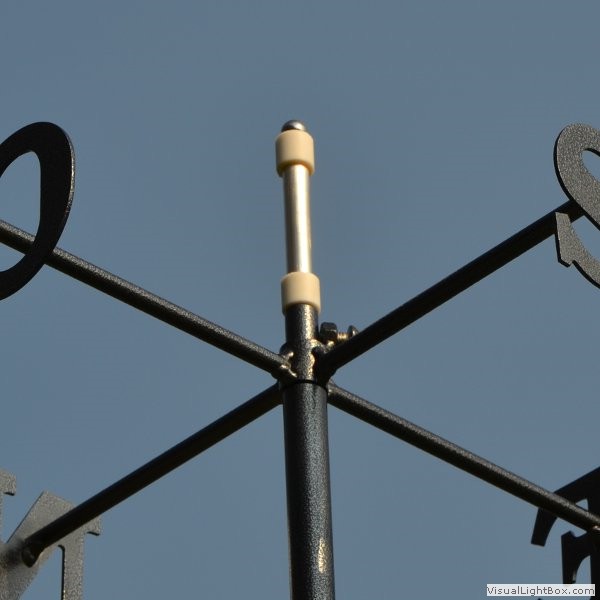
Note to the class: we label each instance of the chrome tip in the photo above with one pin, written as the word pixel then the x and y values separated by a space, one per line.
pixel 293 124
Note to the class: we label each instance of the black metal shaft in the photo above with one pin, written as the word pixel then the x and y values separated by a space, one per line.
pixel 151 304
pixel 445 290
pixel 461 458
pixel 307 466
pixel 149 473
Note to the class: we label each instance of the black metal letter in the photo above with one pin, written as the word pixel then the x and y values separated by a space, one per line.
pixel 15 576
pixel 584 189
pixel 57 169
pixel 574 548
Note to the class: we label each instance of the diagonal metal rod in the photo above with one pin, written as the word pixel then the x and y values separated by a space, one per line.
pixel 151 304
pixel 461 458
pixel 166 462
pixel 444 290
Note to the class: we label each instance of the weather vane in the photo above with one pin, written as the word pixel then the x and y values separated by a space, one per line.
pixel 303 370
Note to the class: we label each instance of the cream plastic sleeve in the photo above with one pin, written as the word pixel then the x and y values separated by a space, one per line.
pixel 295 147
pixel 300 288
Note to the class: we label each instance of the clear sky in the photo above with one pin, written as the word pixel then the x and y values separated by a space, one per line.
pixel 434 125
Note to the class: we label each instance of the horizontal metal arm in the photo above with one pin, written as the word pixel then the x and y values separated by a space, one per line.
pixel 444 290
pixel 129 485
pixel 461 458
pixel 151 304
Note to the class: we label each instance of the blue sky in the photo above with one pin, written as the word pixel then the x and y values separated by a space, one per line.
pixel 434 125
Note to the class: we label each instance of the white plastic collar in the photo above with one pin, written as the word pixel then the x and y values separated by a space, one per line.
pixel 294 147
pixel 300 288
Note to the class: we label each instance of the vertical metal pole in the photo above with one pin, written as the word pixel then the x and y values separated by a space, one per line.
pixel 304 401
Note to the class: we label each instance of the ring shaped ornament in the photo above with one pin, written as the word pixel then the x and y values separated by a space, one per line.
pixel 54 151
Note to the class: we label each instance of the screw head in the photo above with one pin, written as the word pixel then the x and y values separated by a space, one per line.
pixel 328 332
pixel 293 124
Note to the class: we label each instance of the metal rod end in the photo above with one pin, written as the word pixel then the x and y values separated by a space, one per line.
pixel 293 124
pixel 30 553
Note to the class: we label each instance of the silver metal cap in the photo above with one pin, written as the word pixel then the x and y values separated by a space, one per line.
pixel 293 124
